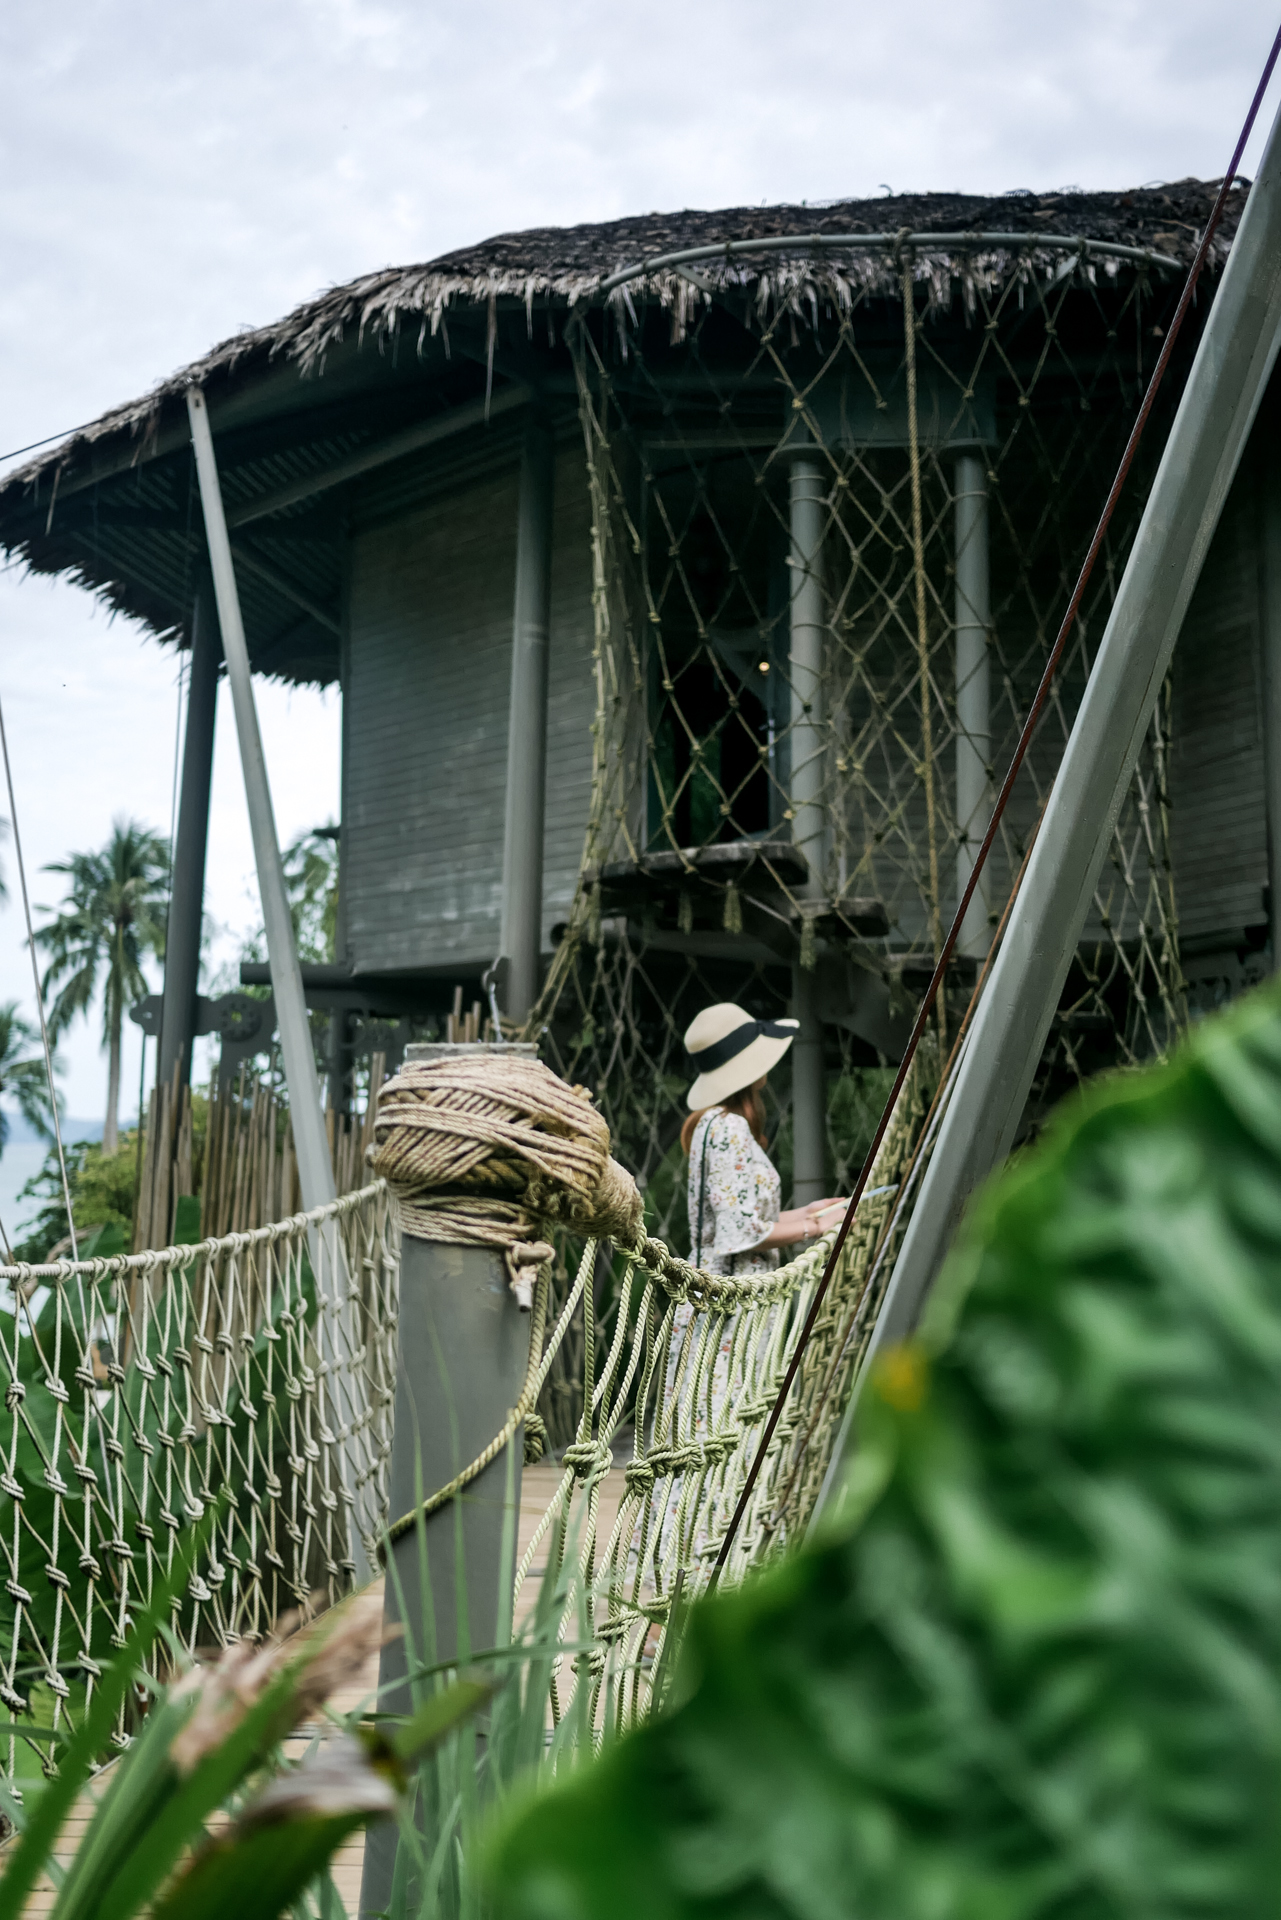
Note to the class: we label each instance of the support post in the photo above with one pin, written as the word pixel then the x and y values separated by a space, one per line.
pixel 187 893
pixel 522 900
pixel 973 698
pixel 315 1167
pixel 463 1353
pixel 808 512
pixel 1229 375
pixel 1269 497
pixel 809 1101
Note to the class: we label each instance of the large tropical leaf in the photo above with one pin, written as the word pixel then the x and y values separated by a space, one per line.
pixel 1039 1671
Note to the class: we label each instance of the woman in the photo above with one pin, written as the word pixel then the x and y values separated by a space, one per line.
pixel 736 1228
pixel 735 1223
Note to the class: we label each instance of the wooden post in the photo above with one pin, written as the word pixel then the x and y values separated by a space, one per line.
pixel 520 937
pixel 187 893
pixel 808 513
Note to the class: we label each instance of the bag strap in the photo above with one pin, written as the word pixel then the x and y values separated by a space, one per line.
pixel 702 1188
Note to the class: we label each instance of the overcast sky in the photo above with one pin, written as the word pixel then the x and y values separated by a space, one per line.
pixel 173 172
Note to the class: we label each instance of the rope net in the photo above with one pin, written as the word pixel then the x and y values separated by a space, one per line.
pixel 835 522
pixel 257 1370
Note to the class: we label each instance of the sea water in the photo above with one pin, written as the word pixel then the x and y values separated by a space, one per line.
pixel 22 1158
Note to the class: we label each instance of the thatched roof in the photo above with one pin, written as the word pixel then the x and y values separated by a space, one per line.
pixel 127 534
pixel 569 265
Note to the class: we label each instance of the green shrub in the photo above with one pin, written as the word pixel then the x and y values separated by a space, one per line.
pixel 102 1194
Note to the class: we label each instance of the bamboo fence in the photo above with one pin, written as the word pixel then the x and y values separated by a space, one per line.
pixel 245 1173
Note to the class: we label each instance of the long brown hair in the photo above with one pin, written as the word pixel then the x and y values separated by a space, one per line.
pixel 747 1104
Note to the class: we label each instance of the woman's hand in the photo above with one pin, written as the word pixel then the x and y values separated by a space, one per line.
pixel 827 1213
pixel 805 1223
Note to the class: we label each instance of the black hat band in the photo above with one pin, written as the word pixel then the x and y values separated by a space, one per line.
pixel 721 1052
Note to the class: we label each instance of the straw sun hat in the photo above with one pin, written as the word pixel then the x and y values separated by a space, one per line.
pixel 731 1049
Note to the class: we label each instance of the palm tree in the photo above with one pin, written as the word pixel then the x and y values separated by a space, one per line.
pixel 114 914
pixel 311 878
pixel 22 1072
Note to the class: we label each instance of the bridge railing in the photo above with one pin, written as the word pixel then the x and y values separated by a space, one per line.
pixel 255 1372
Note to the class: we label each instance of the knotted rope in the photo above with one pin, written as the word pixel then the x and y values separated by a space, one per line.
pixel 495 1151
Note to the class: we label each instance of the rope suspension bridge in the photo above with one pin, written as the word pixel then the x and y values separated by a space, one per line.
pixel 256 1373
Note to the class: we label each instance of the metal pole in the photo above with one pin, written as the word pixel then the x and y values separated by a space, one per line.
pixel 187 898
pixel 808 512
pixel 463 1353
pixel 522 902
pixel 973 716
pixel 315 1168
pixel 1269 497
pixel 1229 375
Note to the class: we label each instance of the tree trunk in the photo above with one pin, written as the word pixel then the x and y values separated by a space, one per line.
pixel 111 1125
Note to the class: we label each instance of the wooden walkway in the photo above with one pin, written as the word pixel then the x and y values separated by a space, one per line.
pixel 537 1487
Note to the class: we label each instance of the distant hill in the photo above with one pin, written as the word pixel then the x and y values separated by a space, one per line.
pixel 72 1130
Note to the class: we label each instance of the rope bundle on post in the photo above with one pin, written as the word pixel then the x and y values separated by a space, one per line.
pixel 496 1151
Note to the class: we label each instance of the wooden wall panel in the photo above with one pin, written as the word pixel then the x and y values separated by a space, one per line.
pixel 1218 814
pixel 425 722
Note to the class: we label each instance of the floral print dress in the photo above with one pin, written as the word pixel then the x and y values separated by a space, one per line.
pixel 740 1197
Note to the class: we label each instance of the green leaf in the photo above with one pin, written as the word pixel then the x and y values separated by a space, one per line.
pixel 138 1788
pixel 186 1220
pixel 180 1820
pixel 437 1717
pixel 35 1845
pixel 258 1874
pixel 104 1243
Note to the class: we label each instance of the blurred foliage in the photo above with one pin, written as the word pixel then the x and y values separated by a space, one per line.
pixel 200 1808
pixel 102 1193
pixel 1033 1665
pixel 311 882
pixel 23 1077
pixel 855 1101
pixel 204 1813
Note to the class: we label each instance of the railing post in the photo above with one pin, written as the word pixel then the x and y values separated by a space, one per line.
pixel 463 1355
